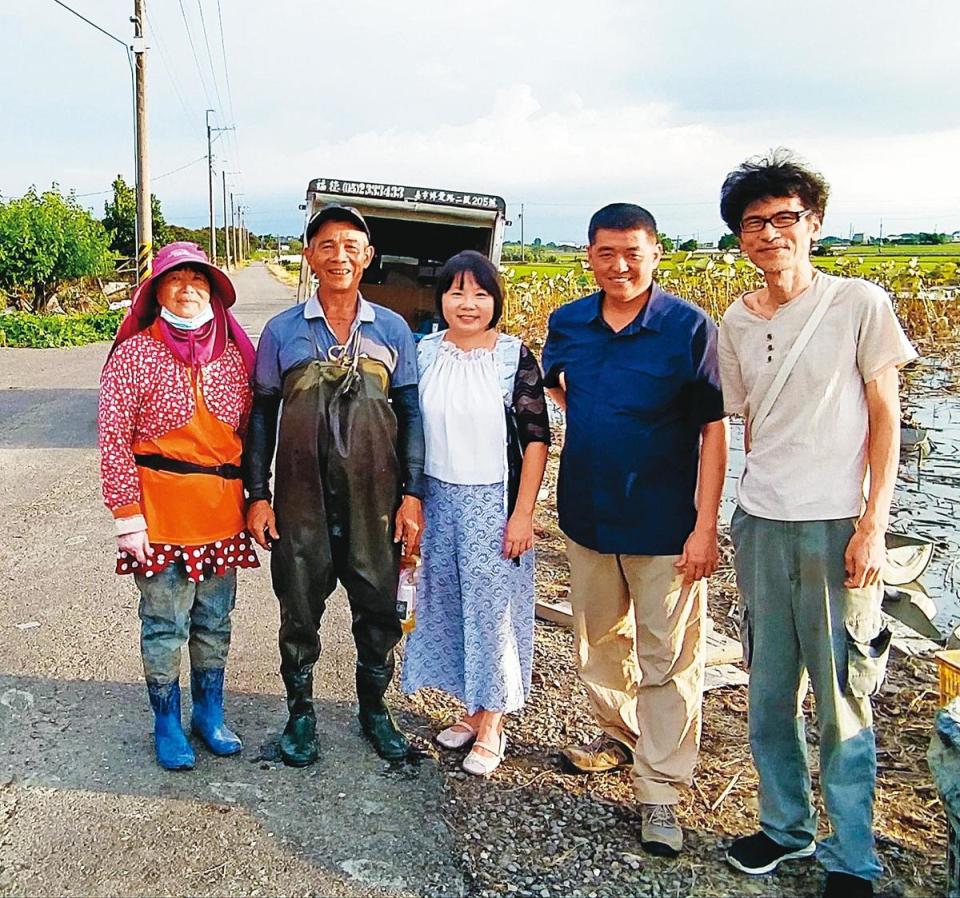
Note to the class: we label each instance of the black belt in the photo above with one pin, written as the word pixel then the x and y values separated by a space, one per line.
pixel 175 466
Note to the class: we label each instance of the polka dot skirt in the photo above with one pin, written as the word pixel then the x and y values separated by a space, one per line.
pixel 200 562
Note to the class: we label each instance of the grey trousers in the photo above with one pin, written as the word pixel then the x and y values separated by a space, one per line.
pixel 175 612
pixel 799 620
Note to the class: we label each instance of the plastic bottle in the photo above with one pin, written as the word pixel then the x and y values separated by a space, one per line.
pixel 407 592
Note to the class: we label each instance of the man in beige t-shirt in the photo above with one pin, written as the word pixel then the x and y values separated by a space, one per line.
pixel 809 546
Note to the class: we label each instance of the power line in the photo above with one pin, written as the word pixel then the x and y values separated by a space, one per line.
pixel 112 37
pixel 213 74
pixel 169 68
pixel 234 136
pixel 173 171
pixel 226 74
pixel 166 174
pixel 196 58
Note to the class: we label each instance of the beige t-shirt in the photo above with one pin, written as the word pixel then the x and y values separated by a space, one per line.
pixel 808 458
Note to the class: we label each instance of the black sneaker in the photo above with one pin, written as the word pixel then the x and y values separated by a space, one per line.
pixel 758 854
pixel 845 885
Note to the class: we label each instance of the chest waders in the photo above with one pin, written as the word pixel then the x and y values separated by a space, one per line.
pixel 337 493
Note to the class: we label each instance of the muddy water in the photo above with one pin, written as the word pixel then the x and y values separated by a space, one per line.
pixel 927 498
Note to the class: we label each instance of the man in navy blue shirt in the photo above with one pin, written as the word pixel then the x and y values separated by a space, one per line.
pixel 641 474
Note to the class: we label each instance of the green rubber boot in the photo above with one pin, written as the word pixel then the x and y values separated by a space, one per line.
pixel 376 721
pixel 298 744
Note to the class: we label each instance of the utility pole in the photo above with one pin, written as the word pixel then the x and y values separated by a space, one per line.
pixel 226 224
pixel 238 230
pixel 233 222
pixel 229 238
pixel 144 217
pixel 240 234
pixel 521 233
pixel 213 224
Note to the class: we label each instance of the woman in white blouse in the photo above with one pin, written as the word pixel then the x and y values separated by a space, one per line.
pixel 487 433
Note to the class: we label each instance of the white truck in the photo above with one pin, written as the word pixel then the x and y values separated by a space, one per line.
pixel 414 231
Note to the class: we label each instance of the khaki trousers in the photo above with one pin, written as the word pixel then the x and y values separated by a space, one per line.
pixel 640 651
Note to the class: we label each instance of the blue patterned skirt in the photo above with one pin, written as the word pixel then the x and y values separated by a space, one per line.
pixel 475 609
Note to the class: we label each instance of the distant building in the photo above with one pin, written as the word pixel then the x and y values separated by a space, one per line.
pixel 860 239
pixel 955 237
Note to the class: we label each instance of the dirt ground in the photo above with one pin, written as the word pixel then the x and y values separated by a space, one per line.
pixel 599 812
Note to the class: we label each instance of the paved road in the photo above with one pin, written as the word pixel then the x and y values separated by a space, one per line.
pixel 84 810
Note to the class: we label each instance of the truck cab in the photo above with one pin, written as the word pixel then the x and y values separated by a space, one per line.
pixel 414 230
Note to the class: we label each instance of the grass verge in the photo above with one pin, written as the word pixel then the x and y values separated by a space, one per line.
pixel 30 331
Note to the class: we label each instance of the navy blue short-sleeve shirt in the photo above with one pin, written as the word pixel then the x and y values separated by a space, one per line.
pixel 636 402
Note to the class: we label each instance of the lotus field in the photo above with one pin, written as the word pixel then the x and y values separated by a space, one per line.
pixel 926 294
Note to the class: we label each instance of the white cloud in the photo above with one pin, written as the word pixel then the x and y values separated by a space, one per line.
pixel 523 145
pixel 558 150
pixel 545 103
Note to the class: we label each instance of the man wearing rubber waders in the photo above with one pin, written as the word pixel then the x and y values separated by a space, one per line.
pixel 349 472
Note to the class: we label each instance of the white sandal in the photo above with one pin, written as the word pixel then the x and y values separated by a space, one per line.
pixel 460 735
pixel 483 765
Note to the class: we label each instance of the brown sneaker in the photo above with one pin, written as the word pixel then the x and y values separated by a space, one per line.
pixel 604 753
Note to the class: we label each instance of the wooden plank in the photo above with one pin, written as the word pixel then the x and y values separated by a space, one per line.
pixel 907 641
pixel 721 649
pixel 555 611
pixel 719 676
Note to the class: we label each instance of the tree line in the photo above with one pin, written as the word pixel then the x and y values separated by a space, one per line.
pixel 47 238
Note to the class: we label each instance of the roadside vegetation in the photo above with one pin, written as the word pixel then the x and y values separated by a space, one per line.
pixel 47 239
pixel 64 273
pixel 32 331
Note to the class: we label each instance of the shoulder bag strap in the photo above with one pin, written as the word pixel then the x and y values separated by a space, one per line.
pixel 786 367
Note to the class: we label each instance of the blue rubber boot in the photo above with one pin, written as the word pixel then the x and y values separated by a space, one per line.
pixel 173 749
pixel 206 686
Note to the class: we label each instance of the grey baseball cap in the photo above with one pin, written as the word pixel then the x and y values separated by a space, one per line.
pixel 336 212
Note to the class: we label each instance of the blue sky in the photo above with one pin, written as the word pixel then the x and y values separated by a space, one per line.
pixel 563 106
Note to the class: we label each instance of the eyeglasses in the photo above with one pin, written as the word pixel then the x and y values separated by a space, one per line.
pixel 780 221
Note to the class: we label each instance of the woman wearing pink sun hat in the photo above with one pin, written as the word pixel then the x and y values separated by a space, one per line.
pixel 174 399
